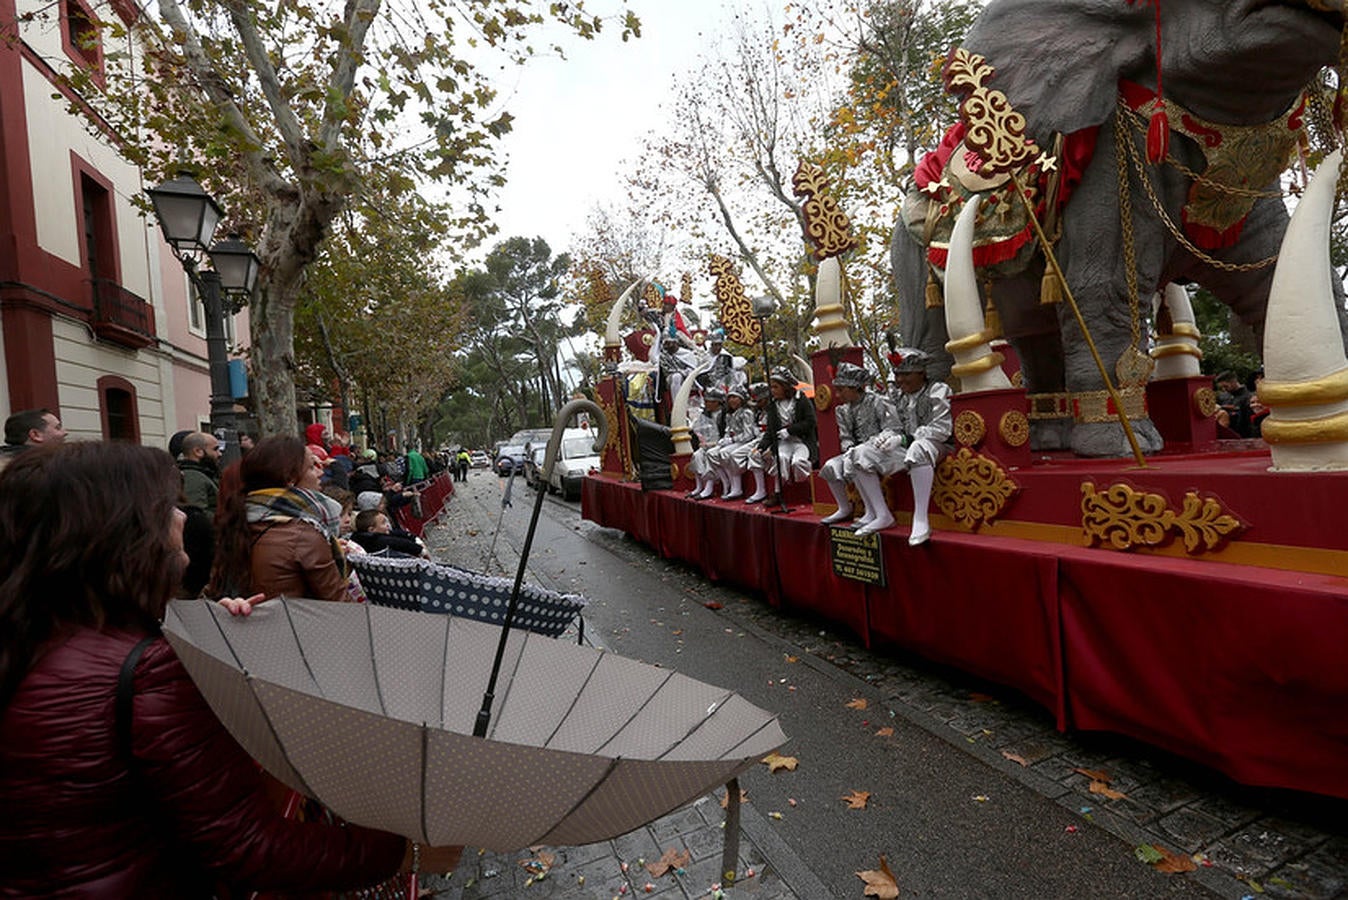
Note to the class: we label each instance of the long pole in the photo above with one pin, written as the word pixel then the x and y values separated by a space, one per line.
pixel 223 422
pixel 774 425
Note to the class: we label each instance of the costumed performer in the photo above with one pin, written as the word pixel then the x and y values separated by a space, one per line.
pixel 863 416
pixel 707 427
pixel 741 433
pixel 922 440
pixel 791 426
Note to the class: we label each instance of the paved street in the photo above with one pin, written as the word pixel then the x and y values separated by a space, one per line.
pixel 972 793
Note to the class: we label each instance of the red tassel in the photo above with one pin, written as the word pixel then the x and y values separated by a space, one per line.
pixel 1158 136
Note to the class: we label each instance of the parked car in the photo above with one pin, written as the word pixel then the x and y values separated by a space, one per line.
pixel 575 458
pixel 478 459
pixel 533 466
pixel 510 458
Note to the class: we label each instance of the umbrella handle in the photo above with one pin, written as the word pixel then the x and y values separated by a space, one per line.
pixel 549 460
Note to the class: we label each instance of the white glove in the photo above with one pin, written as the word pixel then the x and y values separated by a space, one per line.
pixel 783 434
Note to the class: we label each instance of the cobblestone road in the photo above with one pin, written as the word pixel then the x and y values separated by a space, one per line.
pixel 1246 842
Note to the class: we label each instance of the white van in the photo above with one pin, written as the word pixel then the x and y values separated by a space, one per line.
pixel 575 457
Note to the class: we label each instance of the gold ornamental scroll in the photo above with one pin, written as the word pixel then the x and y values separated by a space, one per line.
pixel 827 227
pixel 736 312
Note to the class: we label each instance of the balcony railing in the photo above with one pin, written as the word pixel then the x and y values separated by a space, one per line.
pixel 120 316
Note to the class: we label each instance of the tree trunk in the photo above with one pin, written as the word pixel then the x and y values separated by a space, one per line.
pixel 273 357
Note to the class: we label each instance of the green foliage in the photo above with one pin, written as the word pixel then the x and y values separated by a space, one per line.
pixel 1225 343
pixel 511 374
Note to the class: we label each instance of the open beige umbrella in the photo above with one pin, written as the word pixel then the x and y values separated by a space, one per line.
pixel 370 710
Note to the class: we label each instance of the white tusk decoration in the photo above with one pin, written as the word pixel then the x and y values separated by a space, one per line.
pixel 612 332
pixel 978 367
pixel 1176 352
pixel 679 431
pixel 1306 383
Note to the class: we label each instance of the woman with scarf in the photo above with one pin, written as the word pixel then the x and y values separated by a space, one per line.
pixel 277 533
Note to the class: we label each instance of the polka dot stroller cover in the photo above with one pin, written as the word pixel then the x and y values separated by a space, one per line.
pixel 420 584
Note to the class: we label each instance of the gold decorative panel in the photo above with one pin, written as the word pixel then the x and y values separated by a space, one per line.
pixel 969 428
pixel 1205 401
pixel 736 312
pixel 1014 428
pixel 1121 518
pixel 971 488
pixel 827 226
pixel 823 397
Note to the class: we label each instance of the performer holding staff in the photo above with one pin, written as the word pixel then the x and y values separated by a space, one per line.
pixel 791 427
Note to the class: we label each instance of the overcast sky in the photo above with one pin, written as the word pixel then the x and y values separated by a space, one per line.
pixel 580 121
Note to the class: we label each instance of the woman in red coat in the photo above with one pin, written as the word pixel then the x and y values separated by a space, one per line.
pixel 90 553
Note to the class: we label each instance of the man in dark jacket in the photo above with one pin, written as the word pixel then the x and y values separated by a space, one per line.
pixel 199 462
pixel 790 445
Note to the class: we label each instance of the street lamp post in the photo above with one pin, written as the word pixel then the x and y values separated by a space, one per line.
pixel 188 217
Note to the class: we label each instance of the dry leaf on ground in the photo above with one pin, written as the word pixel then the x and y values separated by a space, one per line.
pixel 1015 757
pixel 672 859
pixel 1173 863
pixel 885 732
pixel 540 864
pixel 856 799
pixel 793 659
pixel 1104 790
pixel 858 703
pixel 776 761
pixel 744 797
pixel 1094 774
pixel 880 882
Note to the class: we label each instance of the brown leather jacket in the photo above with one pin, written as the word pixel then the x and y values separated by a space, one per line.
pixel 78 823
pixel 293 559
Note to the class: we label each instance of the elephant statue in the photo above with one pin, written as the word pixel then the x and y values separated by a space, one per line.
pixel 1234 78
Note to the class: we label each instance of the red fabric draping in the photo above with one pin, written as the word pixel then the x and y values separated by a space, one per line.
pixel 987 609
pixel 1236 667
pixel 1239 668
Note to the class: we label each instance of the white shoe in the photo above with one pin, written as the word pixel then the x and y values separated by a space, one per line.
pixel 734 495
pixel 840 516
pixel 879 523
pixel 757 498
pixel 919 537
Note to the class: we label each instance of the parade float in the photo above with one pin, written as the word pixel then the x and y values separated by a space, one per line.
pixel 1096 546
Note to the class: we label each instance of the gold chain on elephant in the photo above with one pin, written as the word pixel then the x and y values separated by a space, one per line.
pixel 1129 239
pixel 1175 231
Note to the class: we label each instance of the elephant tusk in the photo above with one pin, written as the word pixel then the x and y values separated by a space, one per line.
pixel 979 368
pixel 679 431
pixel 1176 351
pixel 1302 349
pixel 612 333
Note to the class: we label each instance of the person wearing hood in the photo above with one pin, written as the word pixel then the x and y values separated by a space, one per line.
pixel 365 476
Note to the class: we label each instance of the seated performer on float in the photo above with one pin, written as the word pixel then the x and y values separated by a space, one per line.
pixel 731 454
pixel 863 417
pixel 726 369
pixel 708 427
pixel 791 427
pixel 922 439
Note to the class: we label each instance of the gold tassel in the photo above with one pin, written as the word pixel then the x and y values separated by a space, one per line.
pixel 1050 288
pixel 934 297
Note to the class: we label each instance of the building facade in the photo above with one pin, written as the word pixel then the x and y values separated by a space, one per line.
pixel 98 321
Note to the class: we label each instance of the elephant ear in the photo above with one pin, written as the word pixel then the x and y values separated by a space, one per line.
pixel 1059 61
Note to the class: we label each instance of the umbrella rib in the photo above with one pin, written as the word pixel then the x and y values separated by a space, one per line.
pixel 374 659
pixel 421 794
pixel 612 764
pixel 444 669
pixel 285 605
pixel 748 737
pixel 515 669
pixel 574 699
pixel 716 708
pixel 276 738
pixel 636 712
pixel 224 637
